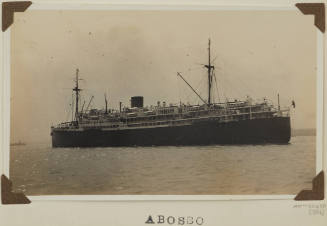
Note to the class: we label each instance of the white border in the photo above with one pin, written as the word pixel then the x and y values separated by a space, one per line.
pixel 5 101
pixel 156 5
pixel 320 103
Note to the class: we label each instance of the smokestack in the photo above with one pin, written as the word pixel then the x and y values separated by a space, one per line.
pixel 137 101
pixel 120 103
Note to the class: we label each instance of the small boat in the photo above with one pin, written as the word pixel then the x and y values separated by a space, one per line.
pixel 19 143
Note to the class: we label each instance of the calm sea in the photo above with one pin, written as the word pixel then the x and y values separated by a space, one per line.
pixel 38 169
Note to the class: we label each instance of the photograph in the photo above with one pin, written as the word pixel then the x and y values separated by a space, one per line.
pixel 162 102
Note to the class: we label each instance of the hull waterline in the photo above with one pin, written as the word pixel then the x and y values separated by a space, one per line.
pixel 255 131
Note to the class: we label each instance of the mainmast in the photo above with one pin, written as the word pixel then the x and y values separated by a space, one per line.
pixel 76 90
pixel 210 68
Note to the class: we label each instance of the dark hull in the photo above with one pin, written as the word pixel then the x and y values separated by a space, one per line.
pixel 255 131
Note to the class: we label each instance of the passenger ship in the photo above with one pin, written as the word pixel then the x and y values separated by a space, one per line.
pixel 230 122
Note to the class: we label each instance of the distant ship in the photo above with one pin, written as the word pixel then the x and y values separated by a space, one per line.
pixel 230 122
pixel 19 143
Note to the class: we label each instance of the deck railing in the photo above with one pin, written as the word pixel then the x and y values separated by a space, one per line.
pixel 220 115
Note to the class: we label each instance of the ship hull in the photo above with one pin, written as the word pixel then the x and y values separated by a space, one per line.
pixel 255 131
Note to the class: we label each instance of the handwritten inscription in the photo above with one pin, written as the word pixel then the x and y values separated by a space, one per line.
pixel 313 209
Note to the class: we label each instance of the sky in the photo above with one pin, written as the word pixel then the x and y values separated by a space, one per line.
pixel 138 53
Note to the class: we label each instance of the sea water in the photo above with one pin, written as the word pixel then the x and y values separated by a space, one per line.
pixel 39 169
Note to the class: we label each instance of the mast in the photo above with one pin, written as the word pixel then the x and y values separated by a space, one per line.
pixel 76 90
pixel 210 68
pixel 72 107
pixel 106 101
pixel 278 102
